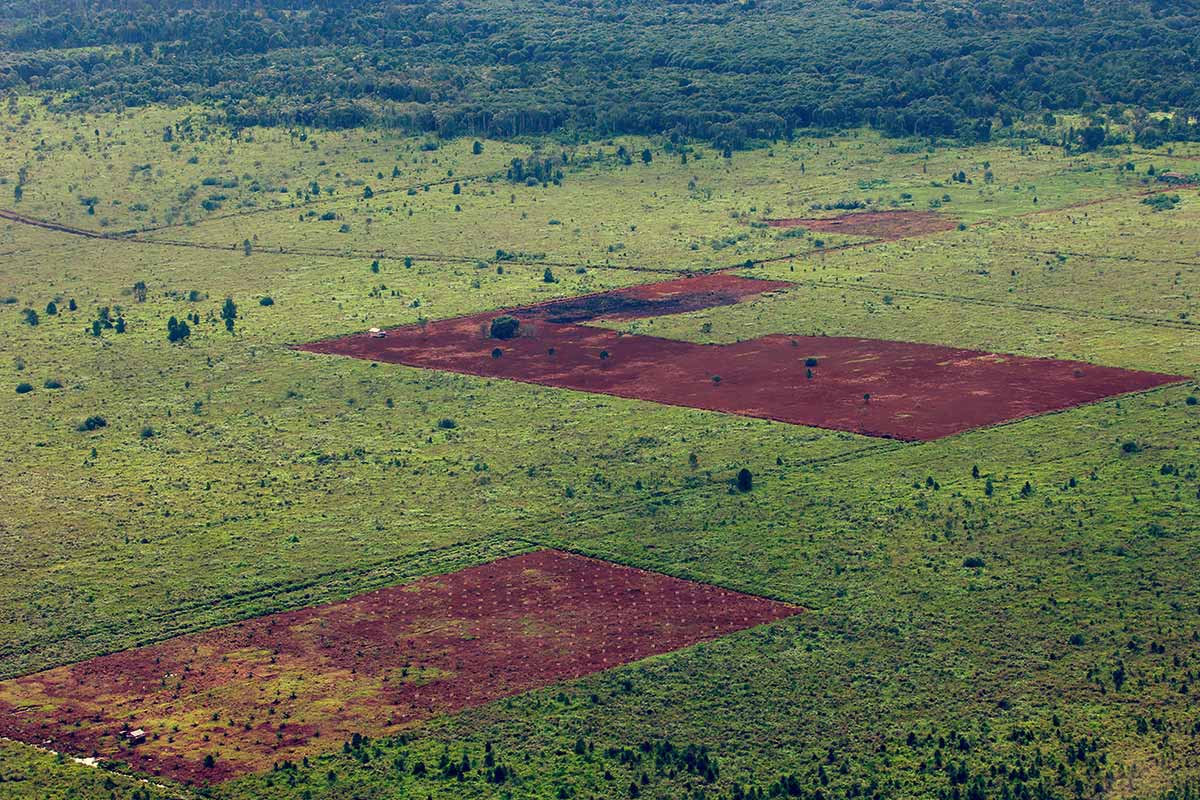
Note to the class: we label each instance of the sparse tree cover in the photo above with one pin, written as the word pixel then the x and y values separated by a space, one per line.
pixel 1002 612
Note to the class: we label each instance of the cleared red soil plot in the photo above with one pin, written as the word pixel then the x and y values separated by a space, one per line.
pixel 888 225
pixel 917 391
pixel 302 682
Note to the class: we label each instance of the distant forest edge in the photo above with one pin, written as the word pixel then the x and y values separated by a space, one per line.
pixel 729 72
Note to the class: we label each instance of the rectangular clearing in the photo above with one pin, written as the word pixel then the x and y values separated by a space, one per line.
pixel 298 683
pixel 899 390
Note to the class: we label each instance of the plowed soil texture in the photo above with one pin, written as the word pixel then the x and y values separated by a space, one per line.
pixel 899 390
pixel 284 686
pixel 887 225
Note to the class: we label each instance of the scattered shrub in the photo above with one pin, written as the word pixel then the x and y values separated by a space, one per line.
pixel 745 480
pixel 24 388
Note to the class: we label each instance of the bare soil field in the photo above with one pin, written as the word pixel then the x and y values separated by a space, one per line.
pixel 900 390
pixel 886 225
pixel 235 699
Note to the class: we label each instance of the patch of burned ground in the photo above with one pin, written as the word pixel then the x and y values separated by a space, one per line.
pixel 682 295
pixel 887 225
pixel 301 682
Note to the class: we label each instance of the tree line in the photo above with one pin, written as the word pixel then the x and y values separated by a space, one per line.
pixel 726 71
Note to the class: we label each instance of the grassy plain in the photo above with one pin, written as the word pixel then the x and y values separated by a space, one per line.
pixel 236 476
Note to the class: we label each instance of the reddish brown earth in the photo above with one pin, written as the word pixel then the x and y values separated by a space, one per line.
pixel 302 682
pixel 889 225
pixel 917 391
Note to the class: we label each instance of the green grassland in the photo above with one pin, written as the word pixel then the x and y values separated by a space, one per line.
pixel 960 643
pixel 704 214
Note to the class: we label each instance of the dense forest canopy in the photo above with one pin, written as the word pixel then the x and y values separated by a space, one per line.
pixel 725 70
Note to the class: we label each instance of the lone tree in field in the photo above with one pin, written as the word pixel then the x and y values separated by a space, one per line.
pixel 745 480
pixel 229 313
pixel 505 327
pixel 139 291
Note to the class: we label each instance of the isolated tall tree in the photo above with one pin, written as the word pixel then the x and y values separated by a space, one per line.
pixel 229 313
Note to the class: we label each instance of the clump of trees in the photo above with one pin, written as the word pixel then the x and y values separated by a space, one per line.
pixel 505 326
pixel 177 330
pixel 532 170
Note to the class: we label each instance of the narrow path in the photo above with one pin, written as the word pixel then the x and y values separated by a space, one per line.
pixel 1018 305
pixel 310 202
pixel 172 791
pixel 320 252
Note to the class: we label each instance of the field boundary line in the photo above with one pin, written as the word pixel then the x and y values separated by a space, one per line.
pixel 927 294
pixel 516 533
pixel 234 600
pixel 134 237
pixel 306 203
